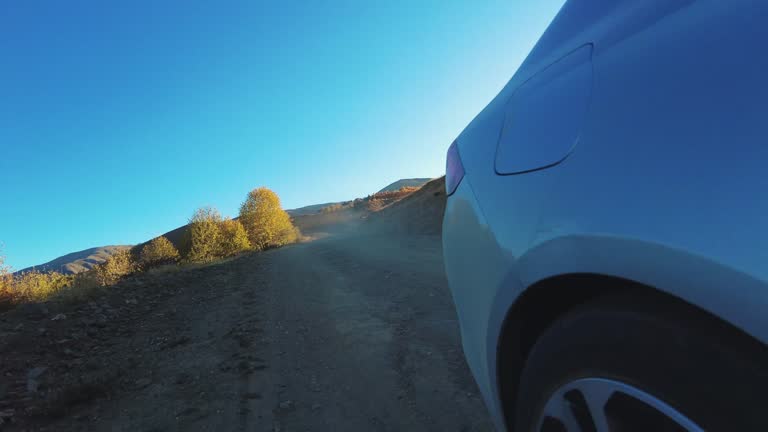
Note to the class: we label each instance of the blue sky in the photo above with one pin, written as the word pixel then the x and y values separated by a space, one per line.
pixel 118 119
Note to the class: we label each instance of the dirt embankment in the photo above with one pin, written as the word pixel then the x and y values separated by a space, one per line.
pixel 419 213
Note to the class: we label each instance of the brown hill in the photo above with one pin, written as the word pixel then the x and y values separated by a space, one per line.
pixel 421 212
pixel 392 187
pixel 407 210
pixel 320 224
pixel 312 209
pixel 412 182
pixel 77 262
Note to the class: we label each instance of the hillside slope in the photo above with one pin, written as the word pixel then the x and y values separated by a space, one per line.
pixel 413 182
pixel 392 187
pixel 418 213
pixel 310 209
pixel 175 236
pixel 80 261
pixel 316 225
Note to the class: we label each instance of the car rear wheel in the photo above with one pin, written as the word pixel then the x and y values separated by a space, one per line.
pixel 637 364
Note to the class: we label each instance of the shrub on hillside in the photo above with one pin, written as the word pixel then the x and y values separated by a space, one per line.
pixel 265 221
pixel 30 285
pixel 86 280
pixel 157 252
pixel 116 267
pixel 375 204
pixel 287 236
pixel 36 286
pixel 233 238
pixel 203 235
pixel 391 196
pixel 6 293
pixel 332 208
pixel 379 200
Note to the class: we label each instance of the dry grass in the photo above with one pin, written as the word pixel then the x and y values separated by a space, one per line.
pixel 166 269
pixel 32 286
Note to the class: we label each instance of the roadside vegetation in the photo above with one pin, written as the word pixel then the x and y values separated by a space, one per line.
pixel 209 237
pixel 159 251
pixel 266 223
pixel 371 203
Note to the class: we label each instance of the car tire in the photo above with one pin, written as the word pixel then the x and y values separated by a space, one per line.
pixel 681 358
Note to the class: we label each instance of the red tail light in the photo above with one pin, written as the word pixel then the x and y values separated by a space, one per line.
pixel 454 170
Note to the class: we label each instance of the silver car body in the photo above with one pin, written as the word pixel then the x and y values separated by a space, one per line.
pixel 632 143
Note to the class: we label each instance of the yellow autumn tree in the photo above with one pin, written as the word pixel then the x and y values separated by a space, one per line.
pixel 233 238
pixel 159 251
pixel 116 267
pixel 203 235
pixel 6 278
pixel 265 221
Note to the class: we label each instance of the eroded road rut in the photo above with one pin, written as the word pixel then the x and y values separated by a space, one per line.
pixel 348 333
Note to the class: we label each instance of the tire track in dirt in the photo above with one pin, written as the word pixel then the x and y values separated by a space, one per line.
pixel 369 339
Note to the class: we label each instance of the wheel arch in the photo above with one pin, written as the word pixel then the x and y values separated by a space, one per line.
pixel 542 303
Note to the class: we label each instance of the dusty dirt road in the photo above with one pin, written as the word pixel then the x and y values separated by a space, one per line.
pixel 346 333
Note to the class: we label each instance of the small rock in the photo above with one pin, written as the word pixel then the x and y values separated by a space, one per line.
pixel 58 317
pixel 142 382
pixel 184 378
pixel 286 405
pixel 75 362
pixel 33 378
pixel 101 321
pixel 6 415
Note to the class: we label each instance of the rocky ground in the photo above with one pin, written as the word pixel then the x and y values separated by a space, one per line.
pixel 349 332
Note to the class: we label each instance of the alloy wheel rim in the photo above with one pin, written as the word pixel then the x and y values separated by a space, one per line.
pixel 607 405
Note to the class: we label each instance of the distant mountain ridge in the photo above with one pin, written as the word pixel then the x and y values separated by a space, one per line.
pixel 314 208
pixel 412 182
pixel 311 209
pixel 80 261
